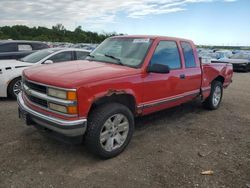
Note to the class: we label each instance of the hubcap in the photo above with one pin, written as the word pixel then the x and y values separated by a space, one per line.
pixel 217 95
pixel 114 132
pixel 17 87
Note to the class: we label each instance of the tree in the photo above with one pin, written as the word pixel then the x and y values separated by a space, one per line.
pixel 58 33
pixel 58 27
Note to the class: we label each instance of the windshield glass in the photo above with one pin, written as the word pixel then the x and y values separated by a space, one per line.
pixel 37 56
pixel 123 51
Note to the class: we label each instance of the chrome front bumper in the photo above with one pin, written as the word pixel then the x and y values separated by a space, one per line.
pixel 65 127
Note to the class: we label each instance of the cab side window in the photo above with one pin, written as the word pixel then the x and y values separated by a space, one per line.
pixel 167 53
pixel 188 55
pixel 10 47
pixel 81 55
pixel 60 57
pixel 39 46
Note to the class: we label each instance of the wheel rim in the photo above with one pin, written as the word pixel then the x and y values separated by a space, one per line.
pixel 17 87
pixel 217 95
pixel 114 132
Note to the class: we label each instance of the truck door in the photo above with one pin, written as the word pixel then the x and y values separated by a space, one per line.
pixel 192 71
pixel 164 90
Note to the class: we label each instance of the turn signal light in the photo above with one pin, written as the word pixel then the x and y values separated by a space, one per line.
pixel 71 95
pixel 72 109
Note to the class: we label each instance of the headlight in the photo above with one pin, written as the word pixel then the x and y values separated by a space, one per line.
pixel 69 95
pixel 58 108
pixel 57 93
pixel 66 95
pixel 63 109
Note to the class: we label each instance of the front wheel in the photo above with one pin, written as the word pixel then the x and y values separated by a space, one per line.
pixel 15 87
pixel 110 129
pixel 214 99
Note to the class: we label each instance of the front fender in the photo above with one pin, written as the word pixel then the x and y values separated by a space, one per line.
pixel 85 105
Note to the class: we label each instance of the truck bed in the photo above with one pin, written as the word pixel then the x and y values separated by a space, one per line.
pixel 213 70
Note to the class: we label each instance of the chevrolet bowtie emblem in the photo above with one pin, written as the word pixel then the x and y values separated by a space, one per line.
pixel 28 91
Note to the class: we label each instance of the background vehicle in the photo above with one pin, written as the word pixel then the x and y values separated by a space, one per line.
pixel 125 76
pixel 11 70
pixel 14 49
pixel 240 59
pixel 85 46
pixel 238 64
pixel 241 62
pixel 223 54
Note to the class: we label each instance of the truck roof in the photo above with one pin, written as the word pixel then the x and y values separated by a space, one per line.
pixel 151 37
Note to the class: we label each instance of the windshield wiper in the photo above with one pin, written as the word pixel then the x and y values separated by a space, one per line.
pixel 116 58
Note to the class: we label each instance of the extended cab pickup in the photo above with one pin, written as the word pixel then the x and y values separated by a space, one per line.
pixel 126 76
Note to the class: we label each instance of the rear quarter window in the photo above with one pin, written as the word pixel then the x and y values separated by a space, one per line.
pixel 24 47
pixel 188 54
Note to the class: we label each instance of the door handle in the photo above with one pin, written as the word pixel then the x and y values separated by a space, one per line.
pixel 182 76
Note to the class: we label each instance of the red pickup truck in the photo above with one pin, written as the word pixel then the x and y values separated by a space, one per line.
pixel 97 99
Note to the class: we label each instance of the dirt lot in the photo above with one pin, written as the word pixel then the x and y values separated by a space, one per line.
pixel 169 149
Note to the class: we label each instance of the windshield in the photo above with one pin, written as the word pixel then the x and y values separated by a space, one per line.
pixel 37 56
pixel 123 51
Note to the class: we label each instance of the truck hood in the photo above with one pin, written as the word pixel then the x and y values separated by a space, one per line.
pixel 13 63
pixel 76 73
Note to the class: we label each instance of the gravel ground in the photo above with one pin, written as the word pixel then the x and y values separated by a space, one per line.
pixel 169 149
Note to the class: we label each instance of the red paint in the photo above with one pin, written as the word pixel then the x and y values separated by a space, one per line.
pixel 94 80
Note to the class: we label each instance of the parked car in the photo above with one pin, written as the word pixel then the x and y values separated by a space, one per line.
pixel 85 46
pixel 222 54
pixel 15 49
pixel 240 62
pixel 239 65
pixel 11 70
pixel 125 76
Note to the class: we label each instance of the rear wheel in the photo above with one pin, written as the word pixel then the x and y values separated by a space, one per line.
pixel 110 129
pixel 214 99
pixel 15 87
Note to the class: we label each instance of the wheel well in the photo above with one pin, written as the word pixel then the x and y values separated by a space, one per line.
pixel 220 79
pixel 125 99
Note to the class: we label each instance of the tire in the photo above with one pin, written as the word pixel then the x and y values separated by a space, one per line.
pixel 14 87
pixel 102 122
pixel 214 99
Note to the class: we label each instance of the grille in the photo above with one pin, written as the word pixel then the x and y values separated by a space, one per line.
pixel 37 95
pixel 38 101
pixel 36 87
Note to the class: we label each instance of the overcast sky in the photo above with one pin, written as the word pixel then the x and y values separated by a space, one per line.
pixel 220 22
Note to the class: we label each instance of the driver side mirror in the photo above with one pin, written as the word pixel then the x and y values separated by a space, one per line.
pixel 158 68
pixel 48 61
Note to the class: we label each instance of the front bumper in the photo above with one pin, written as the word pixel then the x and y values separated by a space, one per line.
pixel 70 128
